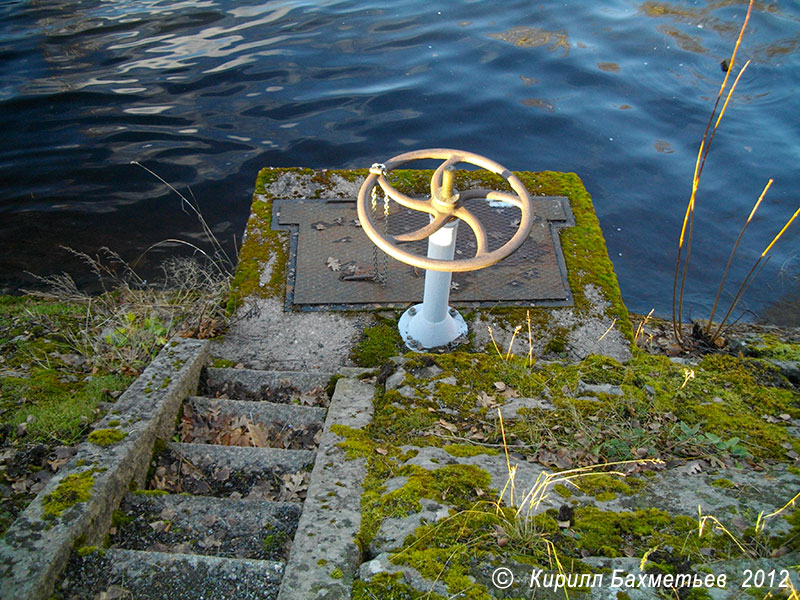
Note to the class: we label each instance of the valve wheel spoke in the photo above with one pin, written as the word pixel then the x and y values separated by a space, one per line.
pixel 403 200
pixel 423 232
pixel 480 233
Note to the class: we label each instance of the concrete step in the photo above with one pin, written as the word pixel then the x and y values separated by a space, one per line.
pixel 249 384
pixel 119 573
pixel 292 415
pixel 256 529
pixel 245 459
pixel 324 555
pixel 231 471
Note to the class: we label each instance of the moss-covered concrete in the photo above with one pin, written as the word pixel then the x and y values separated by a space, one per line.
pixel 437 512
pixel 71 490
pixel 450 402
pixel 593 283
pixel 107 436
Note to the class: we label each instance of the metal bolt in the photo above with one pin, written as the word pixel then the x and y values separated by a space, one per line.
pixel 412 311
pixel 453 312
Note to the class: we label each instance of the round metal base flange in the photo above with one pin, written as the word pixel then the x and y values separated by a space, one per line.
pixel 421 335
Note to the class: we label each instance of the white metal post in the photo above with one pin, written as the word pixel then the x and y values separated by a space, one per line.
pixel 433 323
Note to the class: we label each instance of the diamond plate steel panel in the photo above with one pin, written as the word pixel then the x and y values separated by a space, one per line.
pixel 331 256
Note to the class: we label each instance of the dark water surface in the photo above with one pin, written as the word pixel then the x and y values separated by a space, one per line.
pixel 206 92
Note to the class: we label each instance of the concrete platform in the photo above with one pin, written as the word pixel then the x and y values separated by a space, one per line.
pixel 274 331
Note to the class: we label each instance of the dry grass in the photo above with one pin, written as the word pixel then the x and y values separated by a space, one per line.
pixel 710 335
pixel 124 327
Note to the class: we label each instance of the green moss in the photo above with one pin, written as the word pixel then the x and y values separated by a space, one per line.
pixel 106 437
pixel 223 363
pixel 387 586
pixel 51 407
pixel 465 450
pixel 605 496
pixel 151 492
pixel 606 533
pixel 263 245
pixel 119 518
pixel 71 490
pixel 275 541
pixel 336 573
pixel 606 487
pixel 723 483
pixel 87 550
pixel 562 490
pixel 322 562
pixel 377 345
pixel 556 345
pixel 454 484
pixel 591 431
pixel 772 347
pixel 114 423
pixel 356 444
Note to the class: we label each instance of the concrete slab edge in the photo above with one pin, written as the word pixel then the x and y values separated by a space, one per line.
pixel 145 565
pixel 35 549
pixel 255 382
pixel 244 458
pixel 325 557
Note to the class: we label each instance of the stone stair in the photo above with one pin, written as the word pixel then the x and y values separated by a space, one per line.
pixel 217 520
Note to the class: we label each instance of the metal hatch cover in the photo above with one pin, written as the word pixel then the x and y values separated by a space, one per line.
pixel 332 260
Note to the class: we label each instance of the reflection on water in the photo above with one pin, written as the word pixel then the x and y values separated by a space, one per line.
pixel 701 18
pixel 207 92
pixel 533 37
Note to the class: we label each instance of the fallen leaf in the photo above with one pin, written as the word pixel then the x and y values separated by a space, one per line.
pixel 382 451
pixel 448 426
pixel 56 464
pixel 485 400
pixel 294 486
pixel 114 592
pixel 333 264
pixel 692 467
pixel 258 436
pixel 160 526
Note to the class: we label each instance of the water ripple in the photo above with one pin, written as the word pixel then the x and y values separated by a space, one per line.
pixel 206 92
